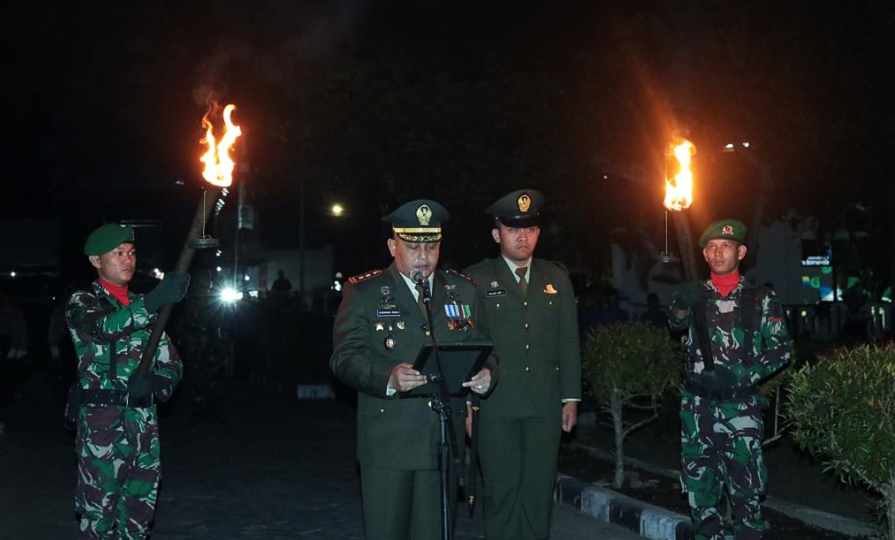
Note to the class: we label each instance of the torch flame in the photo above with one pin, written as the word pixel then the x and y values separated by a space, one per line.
pixel 218 163
pixel 679 188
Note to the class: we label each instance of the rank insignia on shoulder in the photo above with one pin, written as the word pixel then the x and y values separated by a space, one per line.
pixel 549 289
pixel 460 274
pixel 360 278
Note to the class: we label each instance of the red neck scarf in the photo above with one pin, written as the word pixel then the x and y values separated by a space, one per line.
pixel 118 291
pixel 727 282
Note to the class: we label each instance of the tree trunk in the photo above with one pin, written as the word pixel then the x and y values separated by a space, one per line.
pixel 890 506
pixel 616 409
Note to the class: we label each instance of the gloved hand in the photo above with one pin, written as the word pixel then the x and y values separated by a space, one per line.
pixel 720 379
pixel 144 385
pixel 171 290
pixel 689 294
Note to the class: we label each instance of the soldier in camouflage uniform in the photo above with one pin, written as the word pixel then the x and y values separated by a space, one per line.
pixel 117 440
pixel 721 412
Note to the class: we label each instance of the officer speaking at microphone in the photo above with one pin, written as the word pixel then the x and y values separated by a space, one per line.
pixel 380 327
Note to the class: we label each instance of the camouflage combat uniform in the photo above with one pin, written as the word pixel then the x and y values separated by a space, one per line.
pixel 118 439
pixel 721 432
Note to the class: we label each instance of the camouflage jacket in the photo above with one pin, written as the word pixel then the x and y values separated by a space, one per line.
pixel 107 333
pixel 724 315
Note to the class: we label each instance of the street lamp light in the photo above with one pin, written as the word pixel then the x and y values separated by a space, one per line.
pixel 337 209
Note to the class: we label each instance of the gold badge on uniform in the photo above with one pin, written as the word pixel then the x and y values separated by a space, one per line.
pixel 380 327
pixel 523 202
pixel 495 284
pixel 400 325
pixel 550 290
pixel 389 342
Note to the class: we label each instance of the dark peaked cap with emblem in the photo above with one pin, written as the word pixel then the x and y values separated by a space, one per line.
pixel 418 221
pixel 108 237
pixel 729 229
pixel 518 209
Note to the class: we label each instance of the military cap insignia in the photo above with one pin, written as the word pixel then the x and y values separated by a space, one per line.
pixel 728 229
pixel 549 289
pixel 360 278
pixel 424 214
pixel 523 202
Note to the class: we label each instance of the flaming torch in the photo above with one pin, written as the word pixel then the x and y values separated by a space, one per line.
pixel 218 172
pixel 678 197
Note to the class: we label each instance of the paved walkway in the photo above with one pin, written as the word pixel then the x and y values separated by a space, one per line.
pixel 267 467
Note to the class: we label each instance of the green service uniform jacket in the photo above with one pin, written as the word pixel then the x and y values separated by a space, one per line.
pixel 378 326
pixel 535 338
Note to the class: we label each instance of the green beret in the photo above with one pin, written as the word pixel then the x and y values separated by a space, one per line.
pixel 518 209
pixel 418 221
pixel 107 238
pixel 730 229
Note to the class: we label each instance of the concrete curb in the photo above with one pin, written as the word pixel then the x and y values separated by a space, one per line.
pixel 811 516
pixel 606 505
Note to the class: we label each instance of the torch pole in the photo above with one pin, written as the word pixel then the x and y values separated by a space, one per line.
pixel 685 243
pixel 183 264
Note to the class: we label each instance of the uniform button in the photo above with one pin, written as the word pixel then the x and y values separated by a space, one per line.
pixel 525 303
pixel 527 346
pixel 526 326
pixel 550 303
pixel 497 304
pixel 527 368
pixel 557 368
pixel 382 409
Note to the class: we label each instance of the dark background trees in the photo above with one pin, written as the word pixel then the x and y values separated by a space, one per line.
pixel 374 103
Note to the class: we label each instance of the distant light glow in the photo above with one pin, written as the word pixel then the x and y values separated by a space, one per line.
pixel 218 268
pixel 337 209
pixel 12 274
pixel 230 295
pixel 246 278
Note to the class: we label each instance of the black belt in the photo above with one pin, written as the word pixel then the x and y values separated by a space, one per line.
pixel 726 394
pixel 119 398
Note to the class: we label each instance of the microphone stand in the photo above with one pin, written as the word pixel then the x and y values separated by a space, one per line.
pixel 441 403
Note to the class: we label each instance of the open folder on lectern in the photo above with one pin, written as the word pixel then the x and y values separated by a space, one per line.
pixel 459 362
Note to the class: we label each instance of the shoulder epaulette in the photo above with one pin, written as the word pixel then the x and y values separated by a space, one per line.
pixel 559 265
pixel 460 274
pixel 360 278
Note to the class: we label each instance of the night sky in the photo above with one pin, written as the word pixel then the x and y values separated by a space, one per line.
pixel 374 103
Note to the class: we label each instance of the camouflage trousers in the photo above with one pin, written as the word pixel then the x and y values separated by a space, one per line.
pixel 118 472
pixel 721 448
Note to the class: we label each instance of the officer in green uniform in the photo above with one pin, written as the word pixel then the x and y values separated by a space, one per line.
pixel 737 338
pixel 379 329
pixel 117 440
pixel 530 307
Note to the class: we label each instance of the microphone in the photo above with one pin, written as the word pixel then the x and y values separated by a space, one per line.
pixel 418 278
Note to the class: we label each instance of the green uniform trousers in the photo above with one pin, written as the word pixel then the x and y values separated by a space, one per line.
pixel 518 457
pixel 402 504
